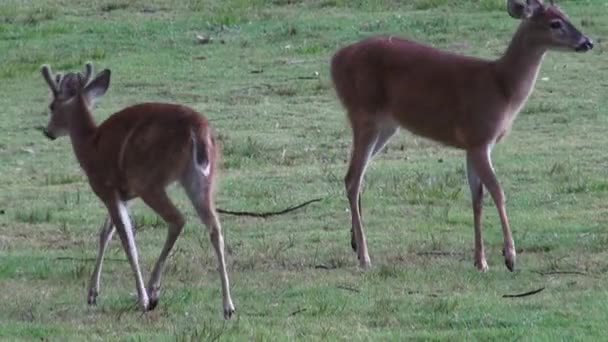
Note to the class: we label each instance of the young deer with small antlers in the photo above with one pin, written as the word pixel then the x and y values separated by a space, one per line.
pixel 386 82
pixel 138 152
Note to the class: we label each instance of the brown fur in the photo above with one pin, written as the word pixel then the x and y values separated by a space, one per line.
pixel 138 152
pixel 465 102
pixel 140 139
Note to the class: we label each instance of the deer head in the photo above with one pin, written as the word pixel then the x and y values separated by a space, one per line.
pixel 65 89
pixel 548 26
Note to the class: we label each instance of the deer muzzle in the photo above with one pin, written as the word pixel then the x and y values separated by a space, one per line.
pixel 585 46
pixel 48 134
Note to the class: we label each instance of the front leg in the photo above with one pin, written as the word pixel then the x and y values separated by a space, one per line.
pixel 482 163
pixel 105 235
pixel 477 201
pixel 120 217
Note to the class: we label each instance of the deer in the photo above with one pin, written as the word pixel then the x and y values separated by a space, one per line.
pixel 137 153
pixel 386 83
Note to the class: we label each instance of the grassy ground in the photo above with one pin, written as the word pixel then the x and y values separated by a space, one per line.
pixel 285 140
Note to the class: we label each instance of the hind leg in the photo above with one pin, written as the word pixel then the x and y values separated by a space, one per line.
pixel 384 135
pixel 199 190
pixel 159 202
pixel 368 139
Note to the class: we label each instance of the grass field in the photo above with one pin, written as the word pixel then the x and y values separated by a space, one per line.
pixel 285 140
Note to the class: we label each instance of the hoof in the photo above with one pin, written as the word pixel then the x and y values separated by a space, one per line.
pixel 229 312
pixel 509 258
pixel 92 298
pixel 145 307
pixel 510 264
pixel 482 266
pixel 144 303
pixel 152 304
pixel 153 296
pixel 365 264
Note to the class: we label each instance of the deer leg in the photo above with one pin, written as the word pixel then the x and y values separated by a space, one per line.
pixel 199 191
pixel 386 133
pixel 482 163
pixel 364 140
pixel 209 218
pixel 384 136
pixel 105 235
pixel 120 217
pixel 353 240
pixel 476 188
pixel 162 205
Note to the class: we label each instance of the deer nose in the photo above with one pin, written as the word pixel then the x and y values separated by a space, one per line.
pixel 585 46
pixel 48 134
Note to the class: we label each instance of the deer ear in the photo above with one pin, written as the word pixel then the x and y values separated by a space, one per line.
pixel 98 86
pixel 48 77
pixel 523 9
pixel 516 8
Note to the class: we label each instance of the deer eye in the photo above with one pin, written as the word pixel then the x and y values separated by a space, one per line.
pixel 556 25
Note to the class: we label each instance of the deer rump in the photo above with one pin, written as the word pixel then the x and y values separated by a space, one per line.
pixel 149 135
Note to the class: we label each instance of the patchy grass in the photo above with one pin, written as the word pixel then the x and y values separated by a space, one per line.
pixel 263 82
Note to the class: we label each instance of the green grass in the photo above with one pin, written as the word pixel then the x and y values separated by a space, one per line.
pixel 285 140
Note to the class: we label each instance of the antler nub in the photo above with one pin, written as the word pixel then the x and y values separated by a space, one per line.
pixel 88 72
pixel 48 76
pixel 58 77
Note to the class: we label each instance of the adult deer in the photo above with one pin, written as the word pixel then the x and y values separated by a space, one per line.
pixel 386 82
pixel 138 152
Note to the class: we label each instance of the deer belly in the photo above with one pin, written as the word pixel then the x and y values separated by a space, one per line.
pixel 438 129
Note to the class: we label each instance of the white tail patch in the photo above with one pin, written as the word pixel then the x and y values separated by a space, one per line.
pixel 206 170
pixel 203 166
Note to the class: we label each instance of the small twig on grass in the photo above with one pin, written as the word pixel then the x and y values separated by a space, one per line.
pixel 268 213
pixel 351 289
pixel 89 259
pixel 303 61
pixel 560 272
pixel 411 292
pixel 525 294
pixel 438 253
pixel 297 312
pixel 324 267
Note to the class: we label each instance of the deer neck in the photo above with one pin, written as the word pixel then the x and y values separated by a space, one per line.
pixel 82 129
pixel 519 66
